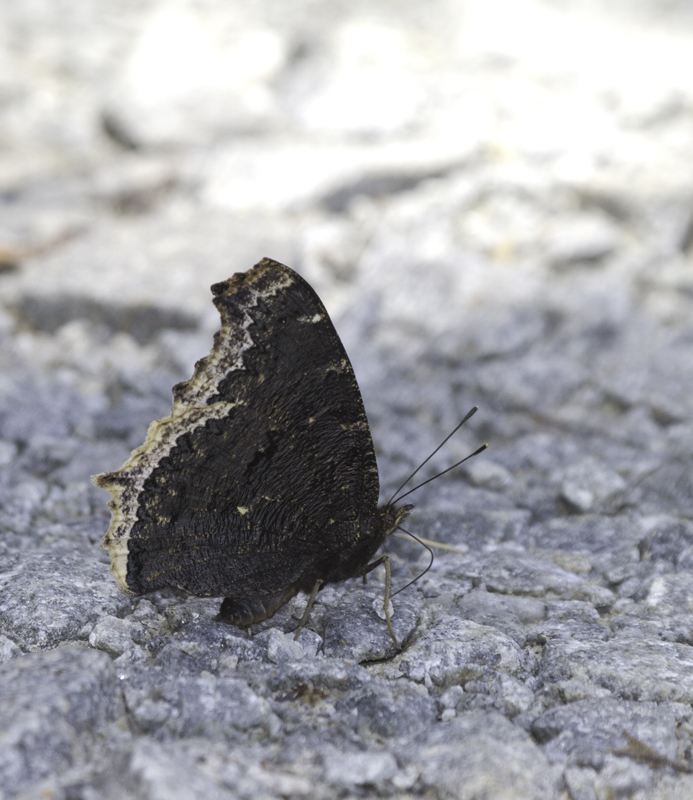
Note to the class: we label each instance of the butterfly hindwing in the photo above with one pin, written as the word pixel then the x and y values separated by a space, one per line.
pixel 264 473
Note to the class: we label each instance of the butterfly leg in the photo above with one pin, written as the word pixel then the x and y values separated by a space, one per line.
pixel 386 604
pixel 311 601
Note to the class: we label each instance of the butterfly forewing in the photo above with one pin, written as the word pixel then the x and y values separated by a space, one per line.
pixel 265 471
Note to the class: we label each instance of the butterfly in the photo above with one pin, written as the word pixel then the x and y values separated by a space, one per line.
pixel 262 482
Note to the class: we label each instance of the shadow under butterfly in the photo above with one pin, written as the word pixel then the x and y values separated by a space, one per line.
pixel 262 482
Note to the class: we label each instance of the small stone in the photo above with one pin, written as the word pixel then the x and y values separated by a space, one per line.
pixel 311 642
pixel 488 474
pixel 517 698
pixel 582 238
pixel 580 783
pixel 592 594
pixel 354 631
pixel 145 610
pixel 622 777
pixel 360 769
pixel 8 451
pixel 282 648
pixel 455 651
pixel 151 714
pixel 406 777
pixel 112 634
pixel 133 655
pixel 378 605
pixel 188 648
pixel 8 649
pixel 228 663
pixel 572 609
pixel 451 697
pixel 51 598
pixel 592 486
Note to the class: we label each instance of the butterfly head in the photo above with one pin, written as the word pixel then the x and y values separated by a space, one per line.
pixel 392 516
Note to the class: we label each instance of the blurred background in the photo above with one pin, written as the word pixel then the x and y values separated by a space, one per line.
pixel 463 182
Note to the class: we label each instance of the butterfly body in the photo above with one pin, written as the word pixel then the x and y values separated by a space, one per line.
pixel 262 482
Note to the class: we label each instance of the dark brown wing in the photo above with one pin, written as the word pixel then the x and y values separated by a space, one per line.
pixel 265 469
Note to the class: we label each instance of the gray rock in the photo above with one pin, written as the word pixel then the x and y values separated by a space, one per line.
pixel 151 714
pixel 580 783
pixel 585 238
pixel 50 599
pixel 584 732
pixel 670 594
pixel 53 706
pixel 622 776
pixel 349 770
pixel 629 668
pixel 207 706
pixel 669 539
pixel 282 648
pixel 160 772
pixel 353 628
pixel 8 452
pixel 611 541
pixel 455 651
pixel 510 696
pixel 384 712
pixel 470 529
pixel 483 753
pixel 510 572
pixel 572 609
pixel 507 613
pixel 590 485
pixel 112 635
pixel 20 503
pixel 570 628
pixel 525 609
pixel 489 475
pixel 8 649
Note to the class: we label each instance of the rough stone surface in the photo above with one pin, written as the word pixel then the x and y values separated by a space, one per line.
pixel 495 202
pixel 454 652
pixel 53 706
pixel 482 753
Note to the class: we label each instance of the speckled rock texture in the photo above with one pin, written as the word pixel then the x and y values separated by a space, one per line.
pixel 495 202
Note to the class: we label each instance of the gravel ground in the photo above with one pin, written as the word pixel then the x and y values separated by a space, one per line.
pixel 495 202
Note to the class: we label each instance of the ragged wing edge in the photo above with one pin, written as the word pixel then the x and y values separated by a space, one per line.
pixel 190 410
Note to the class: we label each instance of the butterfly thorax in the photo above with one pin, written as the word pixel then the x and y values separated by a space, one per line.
pixel 350 563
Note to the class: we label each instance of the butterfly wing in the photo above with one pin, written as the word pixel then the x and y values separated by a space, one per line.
pixel 264 473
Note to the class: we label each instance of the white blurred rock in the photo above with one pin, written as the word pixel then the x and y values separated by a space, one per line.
pixel 583 238
pixel 113 635
pixel 281 647
pixel 591 485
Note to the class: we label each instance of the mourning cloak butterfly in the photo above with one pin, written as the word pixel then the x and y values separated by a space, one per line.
pixel 262 482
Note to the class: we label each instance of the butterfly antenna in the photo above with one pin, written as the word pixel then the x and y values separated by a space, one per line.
pixel 430 563
pixel 471 455
pixel 423 463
